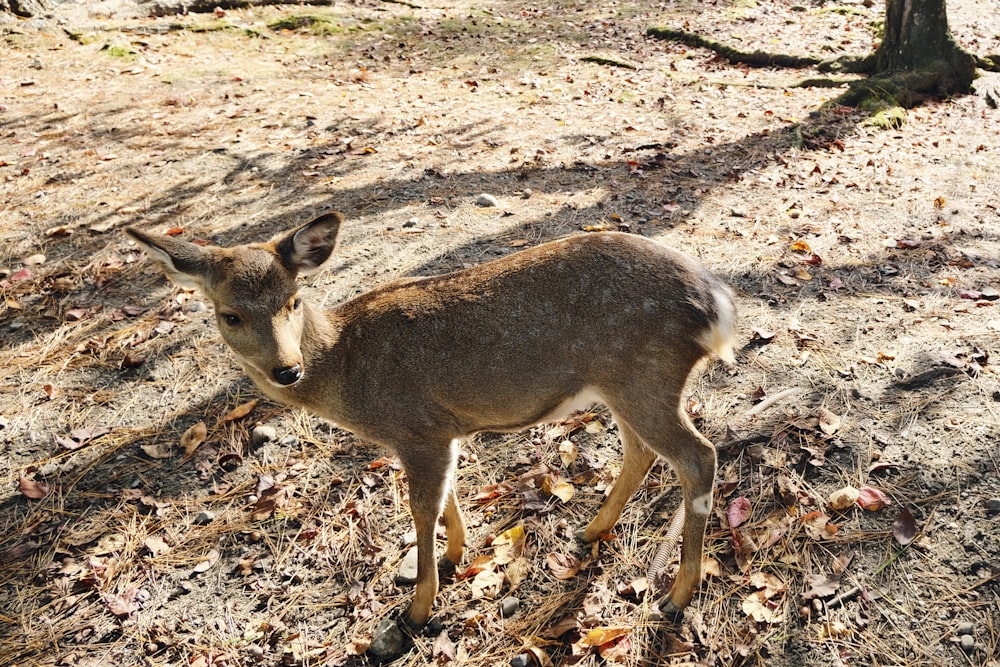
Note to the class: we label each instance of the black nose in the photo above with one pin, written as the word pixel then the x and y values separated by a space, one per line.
pixel 288 375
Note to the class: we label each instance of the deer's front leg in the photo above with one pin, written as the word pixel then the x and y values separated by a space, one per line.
pixel 431 491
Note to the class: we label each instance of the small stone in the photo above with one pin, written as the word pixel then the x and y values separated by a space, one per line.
pixel 388 641
pixel 196 307
pixel 526 193
pixel 262 434
pixel 968 643
pixel 520 660
pixel 509 606
pixel 408 568
pixel 965 628
pixel 993 506
pixel 990 293
pixel 487 201
pixel 737 212
pixel 204 518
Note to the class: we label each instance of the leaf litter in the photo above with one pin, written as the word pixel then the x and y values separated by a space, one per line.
pixel 858 282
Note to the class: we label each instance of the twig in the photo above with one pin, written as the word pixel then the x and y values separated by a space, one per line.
pixel 771 400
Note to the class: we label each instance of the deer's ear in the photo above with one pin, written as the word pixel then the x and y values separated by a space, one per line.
pixel 305 249
pixel 184 263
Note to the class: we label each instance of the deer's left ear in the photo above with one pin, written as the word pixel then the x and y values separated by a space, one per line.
pixel 184 263
pixel 304 250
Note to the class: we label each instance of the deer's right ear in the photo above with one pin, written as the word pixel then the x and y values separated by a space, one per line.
pixel 305 249
pixel 184 263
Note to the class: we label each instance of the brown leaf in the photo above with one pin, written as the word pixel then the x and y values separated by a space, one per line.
pixel 563 566
pixel 193 437
pixel 821 585
pixel 555 485
pixel 30 488
pixel 904 528
pixel 125 604
pixel 829 422
pixel 240 411
pixel 760 609
pixel 271 500
pixel 158 451
pixel 155 545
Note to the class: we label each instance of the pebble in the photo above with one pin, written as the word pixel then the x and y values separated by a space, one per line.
pixel 520 660
pixel 526 193
pixel 262 433
pixel 486 201
pixel 196 307
pixel 968 643
pixel 388 641
pixel 408 568
pixel 204 518
pixel 965 628
pixel 509 606
pixel 993 506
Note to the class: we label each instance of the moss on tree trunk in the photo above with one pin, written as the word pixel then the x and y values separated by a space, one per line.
pixel 918 59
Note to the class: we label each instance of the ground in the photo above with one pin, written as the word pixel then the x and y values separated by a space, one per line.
pixel 866 266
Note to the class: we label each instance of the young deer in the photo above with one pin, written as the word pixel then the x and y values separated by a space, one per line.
pixel 420 363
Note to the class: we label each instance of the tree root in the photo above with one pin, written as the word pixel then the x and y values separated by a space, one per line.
pixel 845 64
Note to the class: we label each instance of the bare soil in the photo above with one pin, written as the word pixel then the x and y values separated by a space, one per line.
pixel 866 263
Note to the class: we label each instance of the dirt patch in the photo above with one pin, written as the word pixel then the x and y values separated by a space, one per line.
pixel 866 265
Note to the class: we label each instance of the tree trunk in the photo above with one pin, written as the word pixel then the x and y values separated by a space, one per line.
pixel 918 58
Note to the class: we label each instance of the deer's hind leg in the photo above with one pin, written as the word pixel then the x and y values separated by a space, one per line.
pixel 638 459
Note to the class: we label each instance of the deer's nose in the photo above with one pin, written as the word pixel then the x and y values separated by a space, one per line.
pixel 288 375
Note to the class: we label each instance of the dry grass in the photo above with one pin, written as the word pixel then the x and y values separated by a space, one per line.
pixel 399 117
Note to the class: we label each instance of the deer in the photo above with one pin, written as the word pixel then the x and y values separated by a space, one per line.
pixel 421 363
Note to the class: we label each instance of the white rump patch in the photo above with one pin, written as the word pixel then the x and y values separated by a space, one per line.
pixel 721 336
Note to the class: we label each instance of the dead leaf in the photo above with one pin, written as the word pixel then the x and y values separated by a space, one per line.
pixel 567 452
pixel 31 488
pixel 509 545
pixel 79 437
pixel 904 528
pixel 829 423
pixel 443 649
pixel 842 499
pixel 493 491
pixel 125 604
pixel 738 511
pixel 271 500
pixel 208 561
pixel 487 583
pixel 596 637
pixel 158 451
pixel 193 437
pixel 555 485
pixel 563 566
pixel 821 585
pixel 760 609
pixel 240 411
pixel 155 545
pixel 871 499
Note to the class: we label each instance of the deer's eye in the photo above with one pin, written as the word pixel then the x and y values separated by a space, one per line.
pixel 231 319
